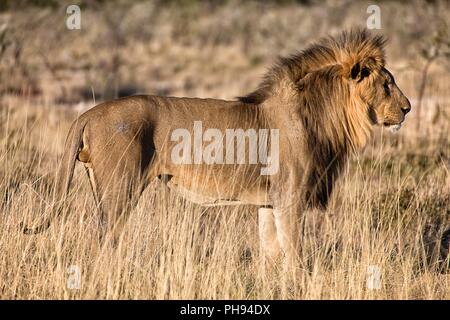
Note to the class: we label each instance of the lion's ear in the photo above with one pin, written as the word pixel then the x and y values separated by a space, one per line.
pixel 361 70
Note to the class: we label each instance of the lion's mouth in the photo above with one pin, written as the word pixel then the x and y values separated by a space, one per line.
pixel 393 127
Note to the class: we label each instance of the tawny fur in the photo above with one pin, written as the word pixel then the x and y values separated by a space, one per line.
pixel 324 100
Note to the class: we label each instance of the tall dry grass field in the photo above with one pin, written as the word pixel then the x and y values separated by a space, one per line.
pixel 389 213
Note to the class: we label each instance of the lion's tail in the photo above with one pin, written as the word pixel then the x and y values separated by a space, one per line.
pixel 64 174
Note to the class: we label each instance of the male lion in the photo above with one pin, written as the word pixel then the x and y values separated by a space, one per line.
pixel 324 101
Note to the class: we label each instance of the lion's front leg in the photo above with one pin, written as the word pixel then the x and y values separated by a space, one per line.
pixel 286 214
pixel 287 227
pixel 270 247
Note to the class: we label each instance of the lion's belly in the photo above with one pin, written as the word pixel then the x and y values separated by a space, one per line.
pixel 212 193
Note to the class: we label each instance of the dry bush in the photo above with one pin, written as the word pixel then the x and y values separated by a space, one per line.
pixel 392 205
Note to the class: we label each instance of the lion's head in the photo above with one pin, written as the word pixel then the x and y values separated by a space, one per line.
pixel 349 67
pixel 372 87
pixel 376 87
pixel 388 105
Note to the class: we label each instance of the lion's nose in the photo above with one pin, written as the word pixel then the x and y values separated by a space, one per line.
pixel 406 108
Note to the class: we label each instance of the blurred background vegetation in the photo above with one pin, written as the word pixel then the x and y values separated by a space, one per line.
pixel 396 193
pixel 197 48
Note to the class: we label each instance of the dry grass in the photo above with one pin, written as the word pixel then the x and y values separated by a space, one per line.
pixel 394 207
pixel 394 198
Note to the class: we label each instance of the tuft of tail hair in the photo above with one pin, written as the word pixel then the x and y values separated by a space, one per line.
pixel 63 177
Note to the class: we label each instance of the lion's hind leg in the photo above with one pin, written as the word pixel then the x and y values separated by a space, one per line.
pixel 96 195
pixel 118 177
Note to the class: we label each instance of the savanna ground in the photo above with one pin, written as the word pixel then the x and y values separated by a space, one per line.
pixel 394 197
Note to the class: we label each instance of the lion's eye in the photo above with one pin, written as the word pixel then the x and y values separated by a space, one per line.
pixel 386 88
